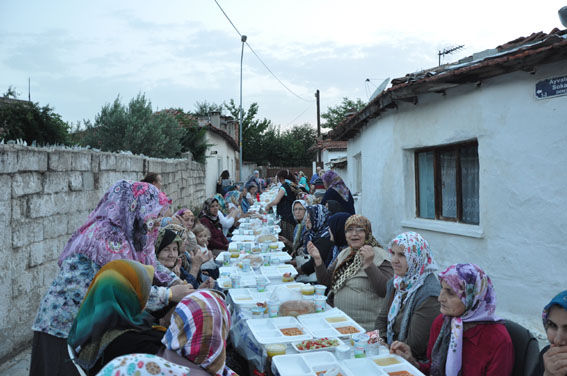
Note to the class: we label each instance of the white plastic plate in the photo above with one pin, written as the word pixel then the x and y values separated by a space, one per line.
pixel 325 324
pixel 268 331
pixel 330 348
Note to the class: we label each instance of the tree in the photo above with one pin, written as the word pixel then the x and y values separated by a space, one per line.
pixel 30 122
pixel 204 108
pixel 252 131
pixel 195 137
pixel 296 141
pixel 11 93
pixel 135 128
pixel 336 114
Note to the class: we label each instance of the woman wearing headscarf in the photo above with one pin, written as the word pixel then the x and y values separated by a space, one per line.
pixel 198 333
pixel 553 357
pixel 123 226
pixel 112 320
pixel 338 191
pixel 187 219
pixel 411 299
pixel 209 218
pixel 466 338
pixel 337 230
pixel 299 208
pixel 317 225
pixel 357 278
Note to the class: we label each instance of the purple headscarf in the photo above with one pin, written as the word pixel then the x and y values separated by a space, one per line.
pixel 474 288
pixel 121 226
pixel 332 180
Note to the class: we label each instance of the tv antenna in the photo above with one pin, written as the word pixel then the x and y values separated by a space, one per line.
pixel 448 51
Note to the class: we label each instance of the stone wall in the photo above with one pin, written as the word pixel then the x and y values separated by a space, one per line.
pixel 45 195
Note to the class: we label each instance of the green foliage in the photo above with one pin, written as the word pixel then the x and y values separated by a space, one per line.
pixel 11 93
pixel 195 137
pixel 204 108
pixel 30 122
pixel 336 114
pixel 264 143
pixel 135 128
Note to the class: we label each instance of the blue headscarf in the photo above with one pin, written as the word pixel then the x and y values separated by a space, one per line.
pixel 559 300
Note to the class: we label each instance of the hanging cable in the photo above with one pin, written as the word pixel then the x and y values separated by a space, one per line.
pixel 258 57
pixel 301 114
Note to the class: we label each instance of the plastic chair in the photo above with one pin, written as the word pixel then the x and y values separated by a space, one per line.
pixel 526 349
pixel 73 357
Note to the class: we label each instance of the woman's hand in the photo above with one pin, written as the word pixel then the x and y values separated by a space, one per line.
pixel 402 349
pixel 178 292
pixel 314 253
pixel 208 284
pixel 367 254
pixel 198 258
pixel 555 361
pixel 177 267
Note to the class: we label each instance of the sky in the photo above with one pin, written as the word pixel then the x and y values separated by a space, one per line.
pixel 81 55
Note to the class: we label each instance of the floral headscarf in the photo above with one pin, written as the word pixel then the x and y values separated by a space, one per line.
pixel 332 180
pixel 206 210
pixel 222 203
pixel 474 288
pixel 559 300
pixel 199 330
pixel 114 303
pixel 420 265
pixel 319 216
pixel 233 197
pixel 122 226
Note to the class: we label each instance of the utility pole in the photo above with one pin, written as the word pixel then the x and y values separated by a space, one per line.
pixel 318 124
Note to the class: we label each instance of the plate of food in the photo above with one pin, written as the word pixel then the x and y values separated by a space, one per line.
pixel 317 344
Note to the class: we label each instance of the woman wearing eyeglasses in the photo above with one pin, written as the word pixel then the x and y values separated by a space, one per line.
pixel 411 299
pixel 358 276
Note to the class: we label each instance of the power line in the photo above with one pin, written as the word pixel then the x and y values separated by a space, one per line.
pixel 258 57
pixel 301 114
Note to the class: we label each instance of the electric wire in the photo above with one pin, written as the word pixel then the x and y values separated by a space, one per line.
pixel 300 115
pixel 258 57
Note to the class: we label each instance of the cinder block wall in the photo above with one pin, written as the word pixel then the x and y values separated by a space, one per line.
pixel 45 195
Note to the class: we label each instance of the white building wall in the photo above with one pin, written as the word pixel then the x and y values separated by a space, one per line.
pixel 522 147
pixel 228 159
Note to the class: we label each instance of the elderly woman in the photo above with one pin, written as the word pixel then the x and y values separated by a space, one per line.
pixel 553 357
pixel 299 209
pixel 187 219
pixel 112 320
pixel 169 247
pixel 287 194
pixel 196 339
pixel 337 191
pixel 411 294
pixel 121 227
pixel 209 218
pixel 466 338
pixel 357 278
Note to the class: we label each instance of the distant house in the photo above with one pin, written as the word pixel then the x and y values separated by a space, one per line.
pixel 223 154
pixel 333 154
pixel 473 155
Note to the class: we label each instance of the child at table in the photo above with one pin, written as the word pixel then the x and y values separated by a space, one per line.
pixel 203 235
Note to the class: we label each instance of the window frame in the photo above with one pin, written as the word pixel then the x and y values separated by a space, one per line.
pixel 437 185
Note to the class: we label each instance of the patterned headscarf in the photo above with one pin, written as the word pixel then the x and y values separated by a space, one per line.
pixel 332 180
pixel 233 197
pixel 353 261
pixel 318 215
pixel 299 230
pixel 474 289
pixel 143 365
pixel 420 265
pixel 114 303
pixel 199 330
pixel 222 203
pixel 122 226
pixel 559 300
pixel 206 212
pixel 169 234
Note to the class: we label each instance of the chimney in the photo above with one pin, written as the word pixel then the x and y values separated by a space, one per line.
pixel 214 117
